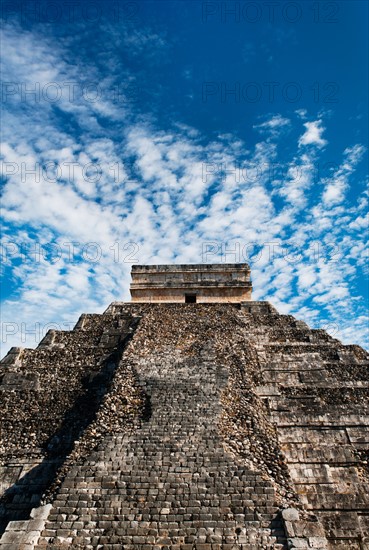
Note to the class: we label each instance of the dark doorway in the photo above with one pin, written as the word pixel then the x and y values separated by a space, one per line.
pixel 190 298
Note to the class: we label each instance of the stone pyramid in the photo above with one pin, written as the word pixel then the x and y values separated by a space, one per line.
pixel 181 426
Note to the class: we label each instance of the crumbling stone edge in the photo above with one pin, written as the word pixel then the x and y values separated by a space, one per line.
pixel 25 534
pixel 303 532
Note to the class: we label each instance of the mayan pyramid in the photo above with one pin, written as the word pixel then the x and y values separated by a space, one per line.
pixel 191 417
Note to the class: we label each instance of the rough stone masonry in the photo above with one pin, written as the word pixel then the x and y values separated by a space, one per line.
pixel 183 426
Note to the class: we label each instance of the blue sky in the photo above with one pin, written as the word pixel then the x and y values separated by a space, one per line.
pixel 184 131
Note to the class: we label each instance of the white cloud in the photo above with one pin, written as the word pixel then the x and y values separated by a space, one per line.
pixel 302 113
pixel 335 187
pixel 161 207
pixel 274 124
pixel 313 134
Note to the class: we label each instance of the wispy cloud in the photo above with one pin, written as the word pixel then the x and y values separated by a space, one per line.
pixel 336 186
pixel 160 195
pixel 273 124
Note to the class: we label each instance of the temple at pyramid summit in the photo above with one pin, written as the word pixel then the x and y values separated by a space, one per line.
pixel 202 283
pixel 189 418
